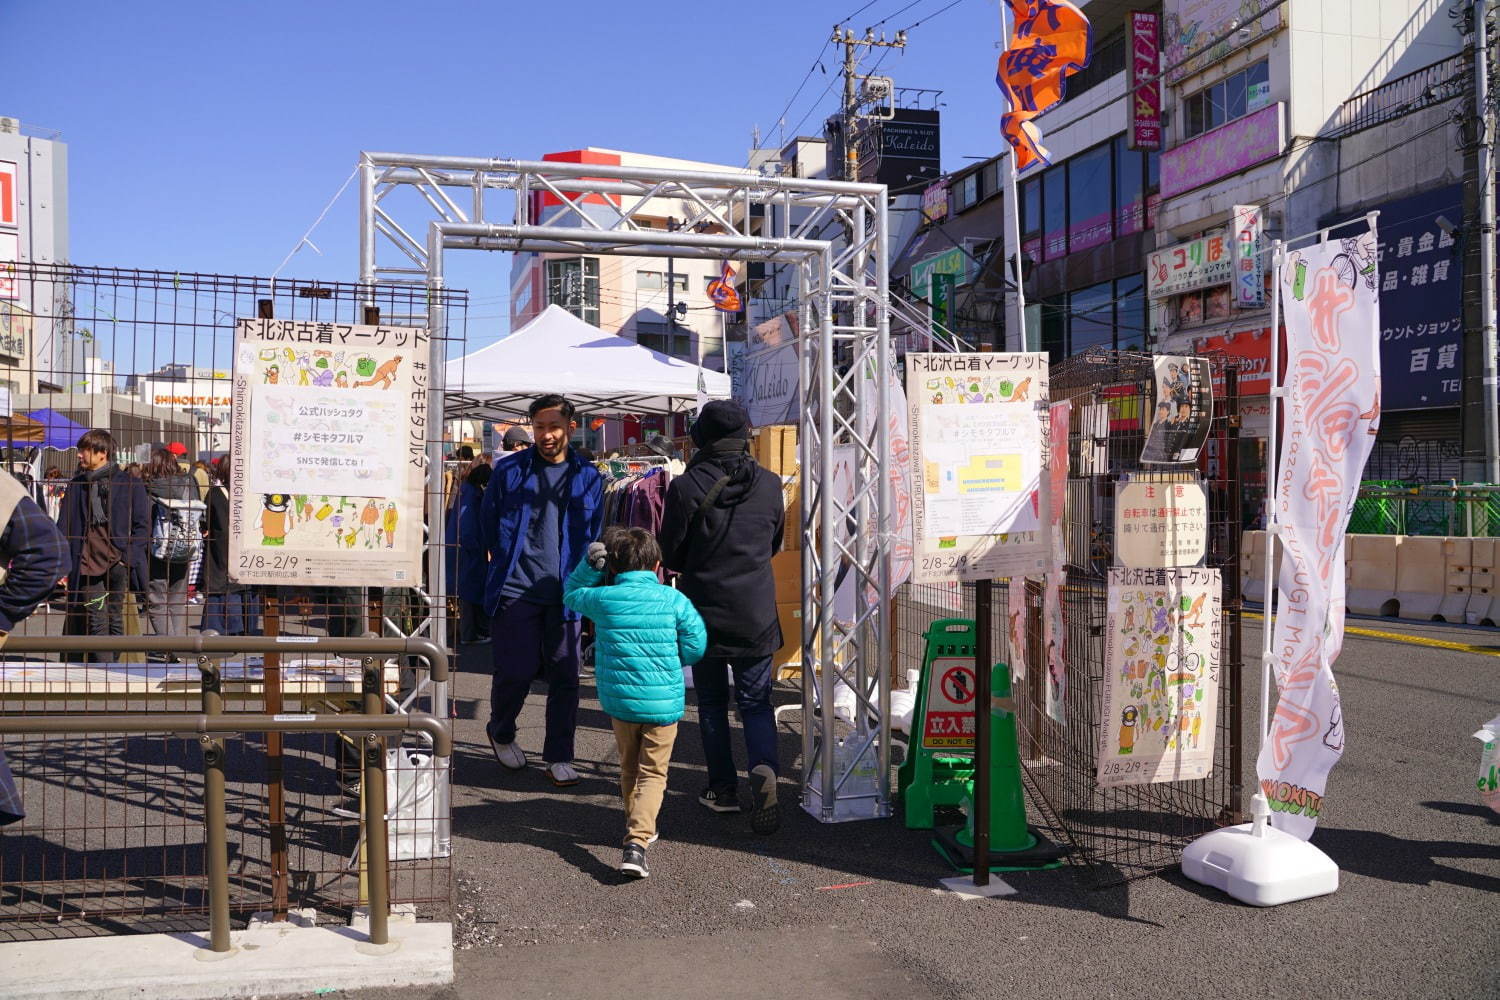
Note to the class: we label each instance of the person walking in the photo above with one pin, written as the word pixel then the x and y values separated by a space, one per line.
pixel 541 510
pixel 175 503
pixel 473 561
pixel 229 608
pixel 35 555
pixel 646 634
pixel 722 523
pixel 106 517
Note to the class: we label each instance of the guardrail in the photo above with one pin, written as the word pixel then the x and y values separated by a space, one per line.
pixel 1441 81
pixel 149 788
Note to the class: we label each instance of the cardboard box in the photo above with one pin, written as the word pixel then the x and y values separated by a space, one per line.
pixel 791 499
pixel 790 653
pixel 787 568
pixel 775 447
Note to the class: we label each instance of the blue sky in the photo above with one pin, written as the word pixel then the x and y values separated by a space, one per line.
pixel 208 137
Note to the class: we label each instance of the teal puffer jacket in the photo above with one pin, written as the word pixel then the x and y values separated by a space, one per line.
pixel 645 634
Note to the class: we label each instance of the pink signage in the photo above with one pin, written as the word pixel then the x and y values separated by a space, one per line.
pixel 1224 152
pixel 1145 88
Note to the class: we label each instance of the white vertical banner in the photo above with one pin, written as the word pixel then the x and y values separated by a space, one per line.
pixel 1331 411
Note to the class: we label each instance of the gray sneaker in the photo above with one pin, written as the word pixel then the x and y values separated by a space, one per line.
pixel 633 862
pixel 510 756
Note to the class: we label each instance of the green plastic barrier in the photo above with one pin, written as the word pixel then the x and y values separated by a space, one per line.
pixel 939 762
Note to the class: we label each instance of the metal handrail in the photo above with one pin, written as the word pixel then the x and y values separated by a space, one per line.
pixel 211 728
pixel 230 645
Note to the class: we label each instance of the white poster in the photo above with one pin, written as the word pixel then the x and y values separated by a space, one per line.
pixel 1331 414
pixel 977 462
pixel 1160 525
pixel 329 426
pixel 1015 625
pixel 1161 691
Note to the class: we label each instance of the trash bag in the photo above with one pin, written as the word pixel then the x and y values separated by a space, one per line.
pixel 416 803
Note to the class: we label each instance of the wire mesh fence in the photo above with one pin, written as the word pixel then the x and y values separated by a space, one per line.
pixel 113 837
pixel 1131 831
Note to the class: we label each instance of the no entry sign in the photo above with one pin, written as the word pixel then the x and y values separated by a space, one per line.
pixel 950 704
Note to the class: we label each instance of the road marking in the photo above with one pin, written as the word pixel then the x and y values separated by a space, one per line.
pixel 1414 640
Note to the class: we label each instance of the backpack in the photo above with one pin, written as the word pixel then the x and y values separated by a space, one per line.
pixel 176 529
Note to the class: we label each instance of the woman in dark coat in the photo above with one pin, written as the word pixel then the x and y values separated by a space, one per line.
pixel 166 582
pixel 228 608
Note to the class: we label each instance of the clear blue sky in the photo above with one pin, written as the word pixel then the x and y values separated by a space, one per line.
pixel 208 137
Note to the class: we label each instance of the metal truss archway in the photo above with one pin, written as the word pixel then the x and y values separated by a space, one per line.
pixel 844 329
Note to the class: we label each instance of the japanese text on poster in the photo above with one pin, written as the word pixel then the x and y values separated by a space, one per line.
pixel 1161 692
pixel 1160 525
pixel 977 462
pixel 329 449
pixel 1184 409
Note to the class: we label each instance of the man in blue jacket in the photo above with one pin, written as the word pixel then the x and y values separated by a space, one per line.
pixel 541 510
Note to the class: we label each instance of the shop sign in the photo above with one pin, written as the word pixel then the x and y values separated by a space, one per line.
pixel 953 261
pixel 1249 273
pixel 1145 88
pixel 1224 152
pixel 1253 349
pixel 935 202
pixel 9 211
pixel 1232 24
pixel 1201 263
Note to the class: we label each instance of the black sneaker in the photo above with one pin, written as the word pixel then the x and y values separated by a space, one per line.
pixel 765 814
pixel 633 863
pixel 721 800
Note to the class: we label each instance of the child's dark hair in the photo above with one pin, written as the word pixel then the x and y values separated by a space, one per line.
pixel 631 549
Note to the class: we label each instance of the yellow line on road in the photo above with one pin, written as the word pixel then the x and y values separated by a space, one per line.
pixel 1414 640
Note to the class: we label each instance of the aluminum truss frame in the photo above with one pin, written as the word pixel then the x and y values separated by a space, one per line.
pixel 837 235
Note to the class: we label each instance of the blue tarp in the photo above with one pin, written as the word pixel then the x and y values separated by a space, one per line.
pixel 61 432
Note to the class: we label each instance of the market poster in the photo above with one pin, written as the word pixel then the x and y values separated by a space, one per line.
pixel 1057 483
pixel 1184 409
pixel 1161 693
pixel 1015 627
pixel 976 434
pixel 329 429
pixel 1331 412
pixel 1055 638
pixel 1160 524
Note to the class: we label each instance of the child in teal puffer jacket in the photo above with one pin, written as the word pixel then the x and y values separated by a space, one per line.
pixel 645 634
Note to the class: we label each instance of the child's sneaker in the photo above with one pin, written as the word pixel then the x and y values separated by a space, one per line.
pixel 721 800
pixel 633 863
pixel 765 813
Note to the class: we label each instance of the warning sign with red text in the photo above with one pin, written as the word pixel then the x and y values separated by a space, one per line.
pixel 949 721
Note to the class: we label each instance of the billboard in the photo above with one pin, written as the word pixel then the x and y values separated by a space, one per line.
pixel 902 150
pixel 1145 88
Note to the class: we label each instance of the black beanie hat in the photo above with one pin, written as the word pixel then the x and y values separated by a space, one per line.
pixel 721 418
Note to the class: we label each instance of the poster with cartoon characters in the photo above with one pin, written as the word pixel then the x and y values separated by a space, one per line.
pixel 1161 690
pixel 329 424
pixel 976 437
pixel 1183 411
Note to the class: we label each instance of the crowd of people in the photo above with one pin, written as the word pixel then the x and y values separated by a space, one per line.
pixel 534 560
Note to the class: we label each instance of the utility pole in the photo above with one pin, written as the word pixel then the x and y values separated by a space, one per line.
pixel 1485 124
pixel 845 37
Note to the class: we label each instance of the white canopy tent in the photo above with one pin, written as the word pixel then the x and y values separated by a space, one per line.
pixel 599 372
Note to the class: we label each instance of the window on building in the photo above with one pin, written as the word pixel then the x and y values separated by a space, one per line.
pixel 1232 97
pixel 573 283
pixel 648 279
pixel 1055 328
pixel 1055 213
pixel 1107 60
pixel 1131 317
pixel 1091 318
pixel 1031 213
pixel 966 192
pixel 1130 189
pixel 1089 212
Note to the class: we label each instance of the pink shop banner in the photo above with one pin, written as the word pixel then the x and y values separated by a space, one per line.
pixel 1224 152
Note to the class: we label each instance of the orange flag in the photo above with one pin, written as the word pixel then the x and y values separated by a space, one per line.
pixel 1049 41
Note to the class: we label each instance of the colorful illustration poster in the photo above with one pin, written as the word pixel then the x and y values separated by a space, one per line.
pixel 329 425
pixel 1015 626
pixel 1057 483
pixel 1331 412
pixel 1160 524
pixel 978 459
pixel 1184 410
pixel 1161 692
pixel 1055 638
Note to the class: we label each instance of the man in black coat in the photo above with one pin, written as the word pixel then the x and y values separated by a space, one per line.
pixel 106 516
pixel 722 524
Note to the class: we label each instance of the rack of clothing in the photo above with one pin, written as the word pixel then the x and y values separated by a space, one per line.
pixel 635 489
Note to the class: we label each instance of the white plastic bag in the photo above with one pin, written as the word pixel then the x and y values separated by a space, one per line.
pixel 416 805
pixel 1489 764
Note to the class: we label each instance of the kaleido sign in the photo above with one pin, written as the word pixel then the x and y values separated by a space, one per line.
pixel 1224 152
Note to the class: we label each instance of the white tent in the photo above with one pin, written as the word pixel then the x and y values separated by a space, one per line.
pixel 597 371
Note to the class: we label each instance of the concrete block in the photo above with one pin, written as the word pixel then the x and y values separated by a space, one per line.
pixel 1421 577
pixel 1372 574
pixel 1458 566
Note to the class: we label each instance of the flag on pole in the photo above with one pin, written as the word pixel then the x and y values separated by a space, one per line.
pixel 1331 414
pixel 722 293
pixel 1049 41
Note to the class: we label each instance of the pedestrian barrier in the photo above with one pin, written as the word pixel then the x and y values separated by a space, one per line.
pixel 1458 576
pixel 1371 577
pixel 1421 576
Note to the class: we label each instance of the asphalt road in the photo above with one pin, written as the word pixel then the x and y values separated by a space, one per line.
pixel 853 910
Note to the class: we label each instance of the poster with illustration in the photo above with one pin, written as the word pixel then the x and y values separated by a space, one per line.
pixel 1015 625
pixel 1183 410
pixel 1055 639
pixel 1161 690
pixel 329 429
pixel 978 460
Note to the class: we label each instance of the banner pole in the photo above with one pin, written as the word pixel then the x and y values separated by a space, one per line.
pixel 1273 464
